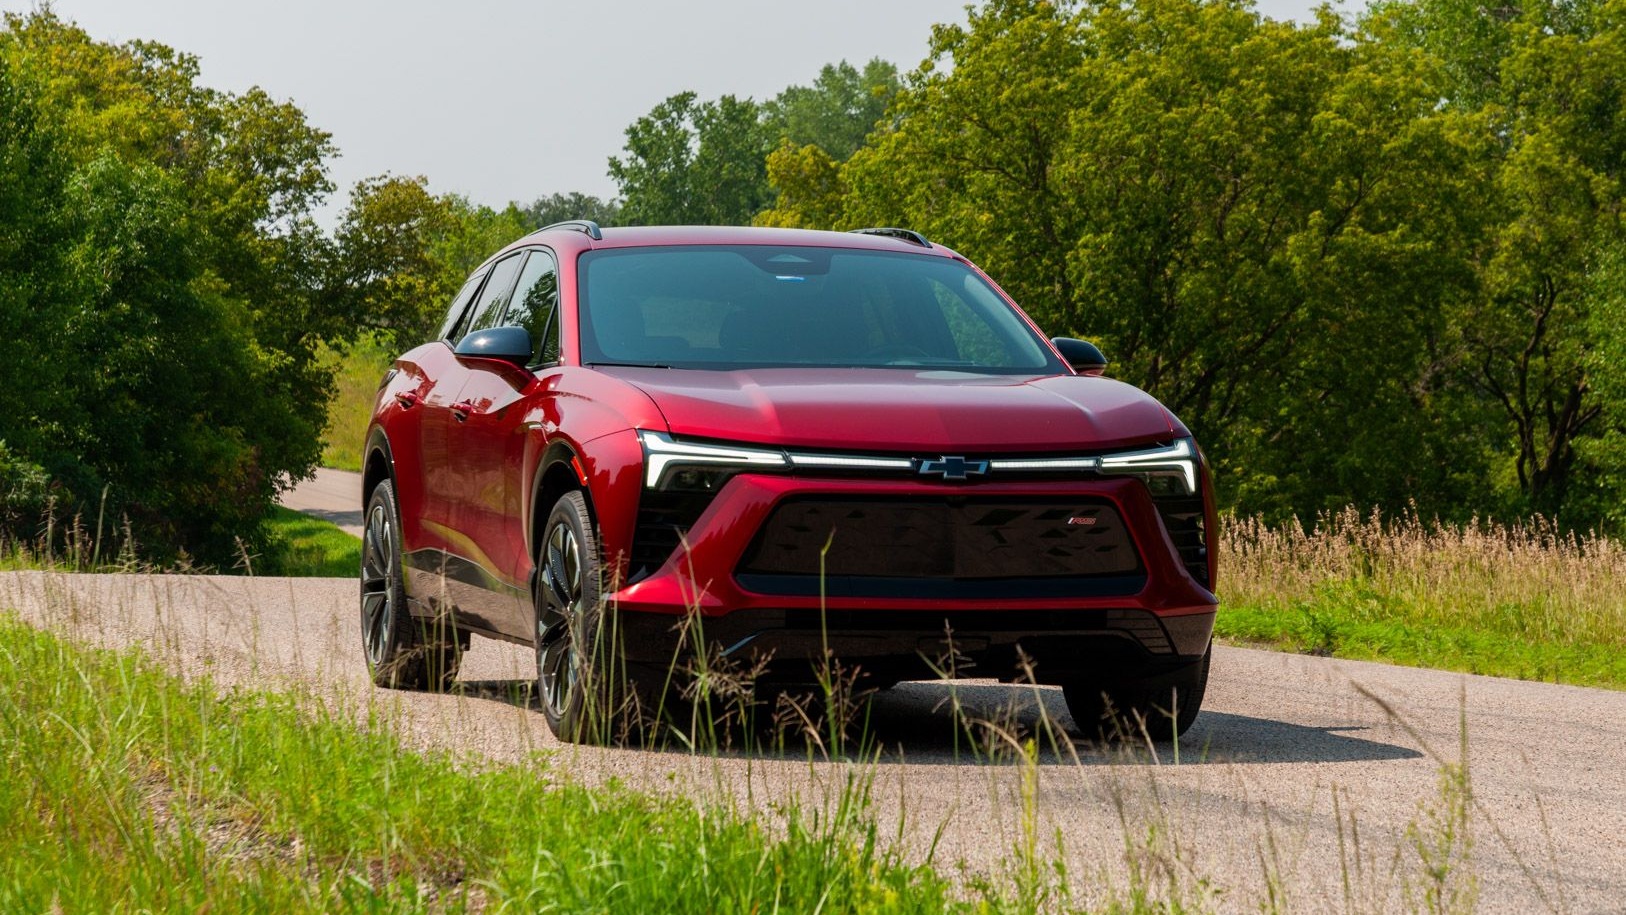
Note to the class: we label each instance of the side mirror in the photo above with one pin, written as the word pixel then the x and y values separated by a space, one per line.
pixel 1082 355
pixel 508 344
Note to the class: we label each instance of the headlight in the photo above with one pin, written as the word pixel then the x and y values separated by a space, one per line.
pixel 1161 468
pixel 672 464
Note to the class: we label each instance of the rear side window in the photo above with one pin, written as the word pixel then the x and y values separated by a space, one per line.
pixel 536 305
pixel 493 299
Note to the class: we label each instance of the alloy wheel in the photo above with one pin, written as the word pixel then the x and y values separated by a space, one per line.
pixel 562 605
pixel 378 594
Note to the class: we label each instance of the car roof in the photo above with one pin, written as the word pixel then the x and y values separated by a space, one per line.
pixel 573 237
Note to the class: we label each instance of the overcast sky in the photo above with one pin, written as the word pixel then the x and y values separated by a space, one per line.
pixel 508 100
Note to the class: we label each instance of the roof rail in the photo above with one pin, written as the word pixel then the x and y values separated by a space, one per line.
pixel 909 235
pixel 586 226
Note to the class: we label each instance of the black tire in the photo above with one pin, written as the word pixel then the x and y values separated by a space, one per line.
pixel 1158 708
pixel 401 652
pixel 588 693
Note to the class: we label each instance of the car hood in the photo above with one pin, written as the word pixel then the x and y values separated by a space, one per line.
pixel 898 410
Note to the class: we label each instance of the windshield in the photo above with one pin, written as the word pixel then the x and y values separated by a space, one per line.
pixel 749 306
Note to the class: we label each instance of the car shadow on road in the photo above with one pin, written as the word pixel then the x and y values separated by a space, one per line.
pixel 918 719
pixel 341 519
pixel 981 723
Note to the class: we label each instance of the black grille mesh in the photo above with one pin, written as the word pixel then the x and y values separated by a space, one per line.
pixel 664 518
pixel 943 546
pixel 1184 517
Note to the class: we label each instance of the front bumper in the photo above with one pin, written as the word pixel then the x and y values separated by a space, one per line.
pixel 1162 619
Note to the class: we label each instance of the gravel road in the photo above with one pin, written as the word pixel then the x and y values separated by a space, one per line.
pixel 1303 774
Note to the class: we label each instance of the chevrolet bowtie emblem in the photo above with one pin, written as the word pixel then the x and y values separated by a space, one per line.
pixel 953 468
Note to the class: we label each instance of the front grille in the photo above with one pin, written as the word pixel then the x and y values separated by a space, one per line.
pixel 664 519
pixel 1184 517
pixel 943 547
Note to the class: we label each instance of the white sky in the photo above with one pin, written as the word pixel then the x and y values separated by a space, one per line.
pixel 509 100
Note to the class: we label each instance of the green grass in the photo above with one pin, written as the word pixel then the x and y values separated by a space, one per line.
pixel 1330 630
pixel 130 790
pixel 1525 601
pixel 297 545
pixel 358 371
pixel 305 546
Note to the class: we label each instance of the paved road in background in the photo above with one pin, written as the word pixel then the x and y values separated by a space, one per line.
pixel 1300 771
pixel 334 495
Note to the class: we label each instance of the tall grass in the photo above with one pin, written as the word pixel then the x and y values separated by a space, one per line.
pixel 1526 600
pixel 129 790
pixel 252 801
pixel 296 545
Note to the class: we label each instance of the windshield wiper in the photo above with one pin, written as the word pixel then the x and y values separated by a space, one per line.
pixel 631 365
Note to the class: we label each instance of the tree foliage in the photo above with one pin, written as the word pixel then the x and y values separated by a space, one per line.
pixel 545 211
pixel 1365 261
pixel 725 162
pixel 159 254
pixel 690 162
pixel 1257 221
pixel 837 112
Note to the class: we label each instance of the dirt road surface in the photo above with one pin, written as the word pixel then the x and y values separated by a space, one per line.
pixel 1316 777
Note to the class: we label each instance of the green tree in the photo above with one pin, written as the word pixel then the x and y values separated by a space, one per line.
pixel 182 262
pixel 811 193
pixel 693 162
pixel 839 110
pixel 1257 220
pixel 1542 80
pixel 402 253
pixel 33 174
pixel 545 211
pixel 386 265
pixel 707 162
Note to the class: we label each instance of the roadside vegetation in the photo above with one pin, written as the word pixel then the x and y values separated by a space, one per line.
pixel 129 790
pixel 356 372
pixel 1530 601
pixel 294 544
pixel 302 546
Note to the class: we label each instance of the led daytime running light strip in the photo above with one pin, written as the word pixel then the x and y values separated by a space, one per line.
pixel 660 451
pixel 841 460
pixel 1081 463
pixel 1178 456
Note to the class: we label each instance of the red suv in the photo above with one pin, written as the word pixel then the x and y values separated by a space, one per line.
pixel 795 444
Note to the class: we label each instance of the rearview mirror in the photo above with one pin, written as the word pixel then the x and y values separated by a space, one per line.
pixel 509 344
pixel 1082 355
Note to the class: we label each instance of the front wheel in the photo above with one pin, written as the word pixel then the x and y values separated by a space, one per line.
pixel 401 652
pixel 1159 708
pixel 588 694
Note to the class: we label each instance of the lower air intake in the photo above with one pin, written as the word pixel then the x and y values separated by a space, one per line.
pixel 943 547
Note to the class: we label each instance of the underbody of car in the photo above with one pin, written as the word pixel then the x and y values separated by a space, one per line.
pixel 641 448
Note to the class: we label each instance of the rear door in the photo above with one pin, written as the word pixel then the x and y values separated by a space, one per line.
pixel 419 393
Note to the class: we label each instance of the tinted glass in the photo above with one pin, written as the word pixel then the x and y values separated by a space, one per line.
pixel 456 324
pixel 536 300
pixel 753 306
pixel 493 299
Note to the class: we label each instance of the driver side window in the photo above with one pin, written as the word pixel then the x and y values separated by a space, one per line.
pixel 457 322
pixel 535 306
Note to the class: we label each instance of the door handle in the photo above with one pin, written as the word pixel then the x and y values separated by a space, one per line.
pixel 462 409
pixel 406 399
